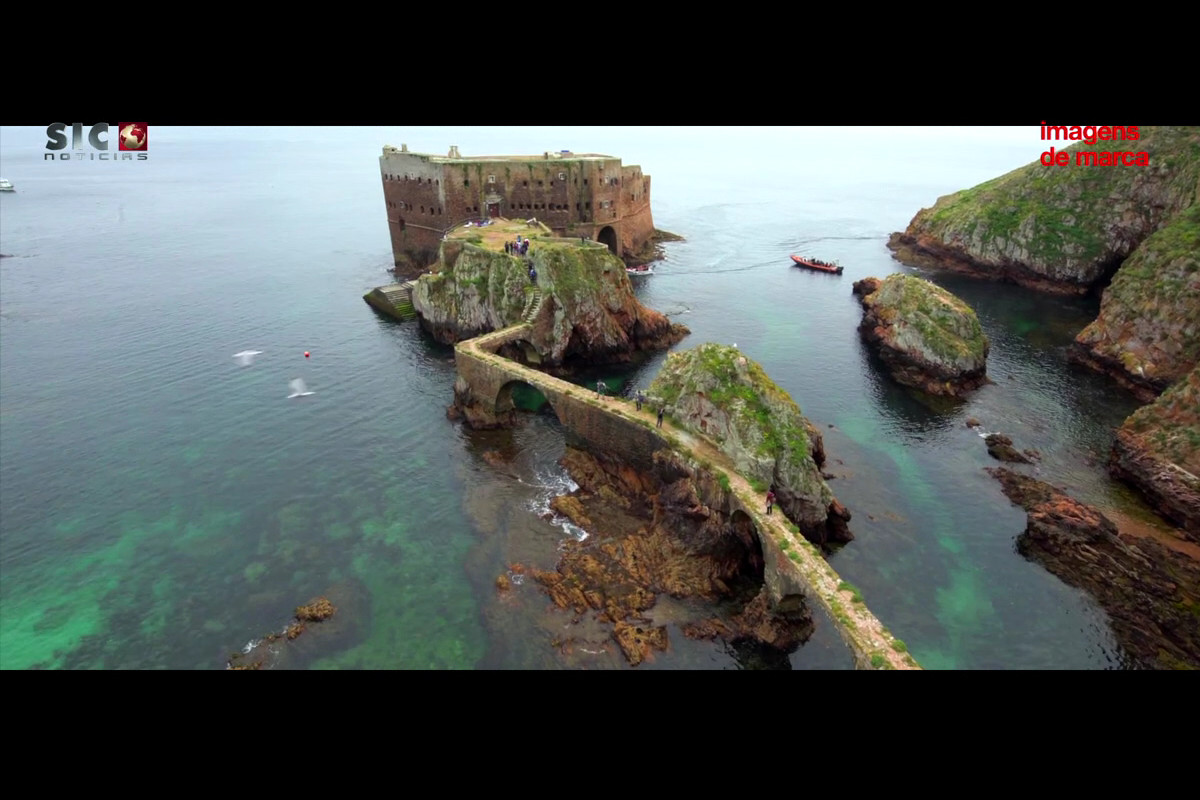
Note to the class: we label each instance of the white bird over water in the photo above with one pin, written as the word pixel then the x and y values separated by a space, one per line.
pixel 246 356
pixel 299 389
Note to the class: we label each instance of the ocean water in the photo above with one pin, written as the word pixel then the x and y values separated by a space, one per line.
pixel 164 506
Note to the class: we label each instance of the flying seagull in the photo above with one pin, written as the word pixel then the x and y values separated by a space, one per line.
pixel 246 356
pixel 298 389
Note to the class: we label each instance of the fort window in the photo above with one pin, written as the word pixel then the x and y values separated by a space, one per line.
pixel 491 178
pixel 466 182
pixel 588 206
pixel 585 181
pixel 540 183
pixel 422 209
pixel 525 183
pixel 577 206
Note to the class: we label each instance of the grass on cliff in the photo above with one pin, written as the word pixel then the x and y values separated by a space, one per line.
pixel 747 403
pixel 1160 281
pixel 1171 424
pixel 1057 204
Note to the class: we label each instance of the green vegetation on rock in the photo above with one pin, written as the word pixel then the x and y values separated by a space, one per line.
pixel 1170 426
pixel 1149 314
pixel 716 391
pixel 946 329
pixel 1068 224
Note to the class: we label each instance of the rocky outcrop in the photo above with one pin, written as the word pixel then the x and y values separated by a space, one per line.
pixel 1148 332
pixel 670 530
pixel 1157 450
pixel 928 338
pixel 585 308
pixel 1151 593
pixel 715 390
pixel 1000 447
pixel 1059 228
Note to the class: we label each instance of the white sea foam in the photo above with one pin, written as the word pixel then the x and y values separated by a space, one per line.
pixel 554 484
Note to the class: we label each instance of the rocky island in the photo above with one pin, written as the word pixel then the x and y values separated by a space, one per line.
pixel 581 304
pixel 715 390
pixel 928 338
pixel 677 527
pixel 1074 230
pixel 1132 233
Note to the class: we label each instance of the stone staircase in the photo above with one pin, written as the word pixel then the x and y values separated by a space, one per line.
pixel 394 300
pixel 533 305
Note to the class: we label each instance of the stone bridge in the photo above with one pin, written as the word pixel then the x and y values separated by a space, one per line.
pixel 792 565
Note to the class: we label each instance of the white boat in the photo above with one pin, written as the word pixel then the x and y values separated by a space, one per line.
pixel 6 185
pixel 644 269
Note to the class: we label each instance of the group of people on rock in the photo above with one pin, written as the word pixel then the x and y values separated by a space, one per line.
pixel 518 248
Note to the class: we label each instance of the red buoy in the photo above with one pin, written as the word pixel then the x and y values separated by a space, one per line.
pixel 306 354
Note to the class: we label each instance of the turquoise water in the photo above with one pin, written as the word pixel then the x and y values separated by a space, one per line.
pixel 163 507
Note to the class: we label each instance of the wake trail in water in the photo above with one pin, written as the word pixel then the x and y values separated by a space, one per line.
pixel 746 268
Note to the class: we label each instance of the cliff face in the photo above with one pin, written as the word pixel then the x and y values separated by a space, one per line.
pixel 588 312
pixel 1059 228
pixel 927 337
pixel 476 291
pixel 715 390
pixel 1148 331
pixel 1158 451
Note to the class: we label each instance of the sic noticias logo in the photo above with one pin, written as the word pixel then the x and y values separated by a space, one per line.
pixel 132 140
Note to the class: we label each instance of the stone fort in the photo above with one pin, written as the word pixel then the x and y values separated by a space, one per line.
pixel 574 194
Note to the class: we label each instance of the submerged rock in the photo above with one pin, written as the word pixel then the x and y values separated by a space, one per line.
pixel 1000 447
pixel 1157 451
pixel 928 338
pixel 1151 593
pixel 715 390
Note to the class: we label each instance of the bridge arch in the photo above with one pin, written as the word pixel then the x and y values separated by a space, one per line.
pixel 608 237
pixel 525 394
pixel 522 351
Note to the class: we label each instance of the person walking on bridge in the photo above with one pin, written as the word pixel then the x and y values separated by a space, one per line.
pixel 770 501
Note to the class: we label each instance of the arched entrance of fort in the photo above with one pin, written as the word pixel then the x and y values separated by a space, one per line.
pixel 608 237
